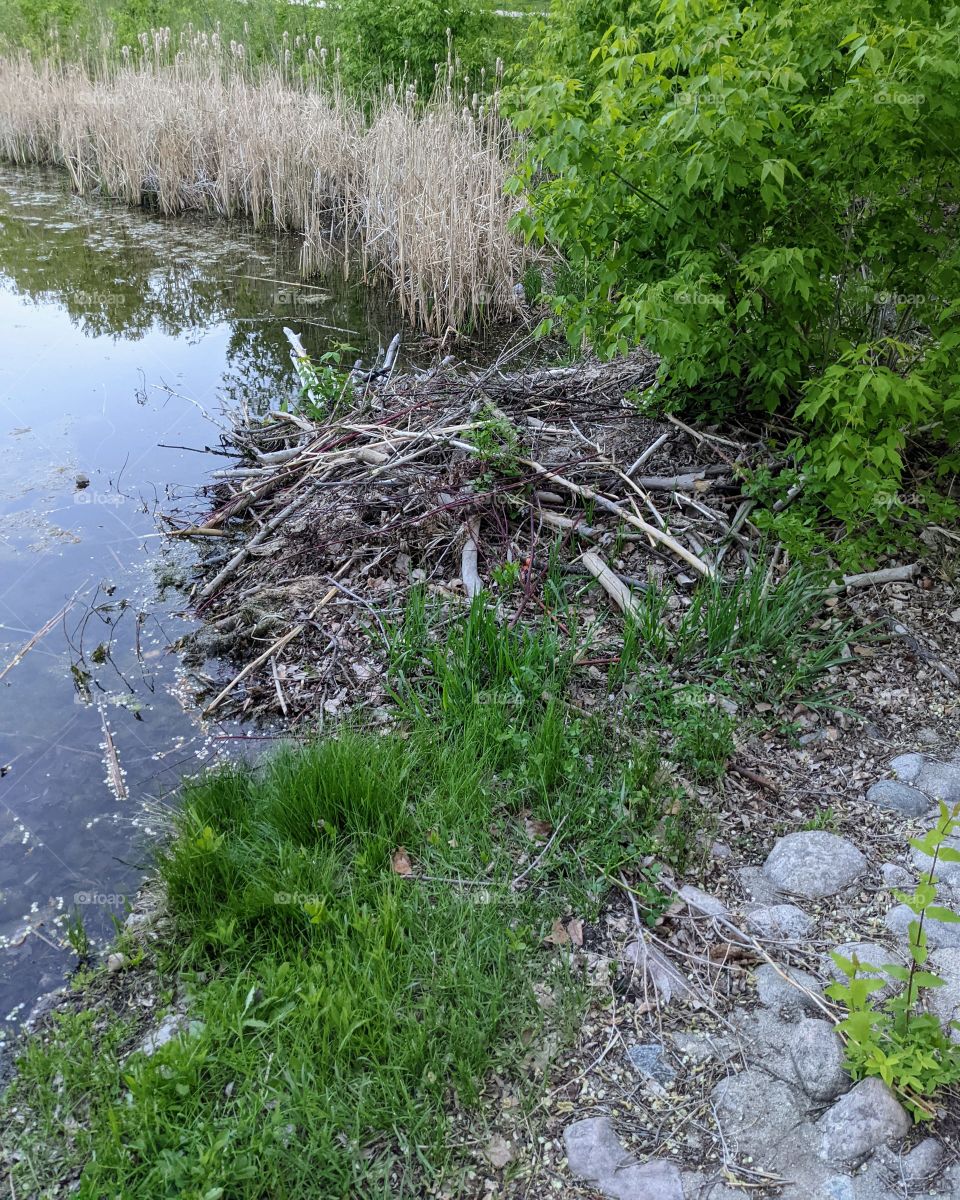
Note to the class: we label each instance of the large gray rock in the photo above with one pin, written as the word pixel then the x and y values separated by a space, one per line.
pixel 939 933
pixel 779 922
pixel 817 1055
pixel 900 797
pixel 907 767
pixel 595 1154
pixel 756 1112
pixel 789 998
pixel 867 1117
pixel 940 781
pixel 814 864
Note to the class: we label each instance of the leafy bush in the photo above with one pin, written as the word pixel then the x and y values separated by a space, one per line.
pixel 764 194
pixel 898 1042
pixel 409 39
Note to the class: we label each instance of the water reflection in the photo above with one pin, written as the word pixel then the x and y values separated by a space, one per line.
pixel 123 333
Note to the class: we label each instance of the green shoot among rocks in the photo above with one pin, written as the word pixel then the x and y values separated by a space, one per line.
pixel 897 1040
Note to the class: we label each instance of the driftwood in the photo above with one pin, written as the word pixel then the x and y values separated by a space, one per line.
pixel 887 575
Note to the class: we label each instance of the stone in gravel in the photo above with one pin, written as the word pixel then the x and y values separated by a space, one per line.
pixel 757 1111
pixel 595 1154
pixel 923 1161
pixel 907 767
pixel 895 876
pixel 703 1047
pixel 944 1001
pixel 867 1117
pixel 900 797
pixel 814 863
pixel 779 922
pixel 939 933
pixel 941 781
pixel 780 995
pixel 171 1025
pixel 703 902
pixel 817 1055
pixel 928 736
pixel 758 886
pixel 649 1061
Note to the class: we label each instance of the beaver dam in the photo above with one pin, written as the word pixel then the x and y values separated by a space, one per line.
pixel 544 490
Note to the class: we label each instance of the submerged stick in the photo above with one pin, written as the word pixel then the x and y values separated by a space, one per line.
pixel 41 633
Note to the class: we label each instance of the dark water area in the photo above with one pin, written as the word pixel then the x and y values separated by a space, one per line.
pixel 124 338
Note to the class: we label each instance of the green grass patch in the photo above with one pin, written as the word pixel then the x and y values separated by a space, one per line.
pixel 358 922
pixel 346 1008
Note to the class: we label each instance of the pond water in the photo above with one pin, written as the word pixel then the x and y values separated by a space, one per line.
pixel 125 337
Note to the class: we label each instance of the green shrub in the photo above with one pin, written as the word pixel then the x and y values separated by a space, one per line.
pixel 764 194
pixel 898 1041
pixel 408 39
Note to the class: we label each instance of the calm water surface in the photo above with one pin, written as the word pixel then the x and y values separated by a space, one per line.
pixel 124 337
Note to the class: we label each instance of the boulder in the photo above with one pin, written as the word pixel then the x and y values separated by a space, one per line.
pixel 781 995
pixel 899 797
pixel 814 864
pixel 596 1155
pixel 817 1055
pixel 867 1117
pixel 779 922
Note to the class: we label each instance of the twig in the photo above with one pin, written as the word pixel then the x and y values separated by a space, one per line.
pixel 41 633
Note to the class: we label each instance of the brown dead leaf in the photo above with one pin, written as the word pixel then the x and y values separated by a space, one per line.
pixel 557 936
pixel 400 862
pixel 498 1151
pixel 565 935
pixel 537 831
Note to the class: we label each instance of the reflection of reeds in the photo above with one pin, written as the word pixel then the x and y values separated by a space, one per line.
pixel 413 194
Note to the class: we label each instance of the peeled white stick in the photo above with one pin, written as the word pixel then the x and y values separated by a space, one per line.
pixel 615 588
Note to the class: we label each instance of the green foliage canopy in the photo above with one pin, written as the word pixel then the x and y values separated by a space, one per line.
pixel 766 195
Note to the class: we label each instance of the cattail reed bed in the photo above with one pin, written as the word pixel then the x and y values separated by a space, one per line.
pixel 410 193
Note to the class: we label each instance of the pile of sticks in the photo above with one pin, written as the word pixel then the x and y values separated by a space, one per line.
pixel 317 532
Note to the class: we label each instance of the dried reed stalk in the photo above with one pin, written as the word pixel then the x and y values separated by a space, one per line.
pixel 410 193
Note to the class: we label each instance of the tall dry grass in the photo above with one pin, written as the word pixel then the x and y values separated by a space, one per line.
pixel 411 194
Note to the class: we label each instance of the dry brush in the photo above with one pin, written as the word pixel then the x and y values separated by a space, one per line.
pixel 406 192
